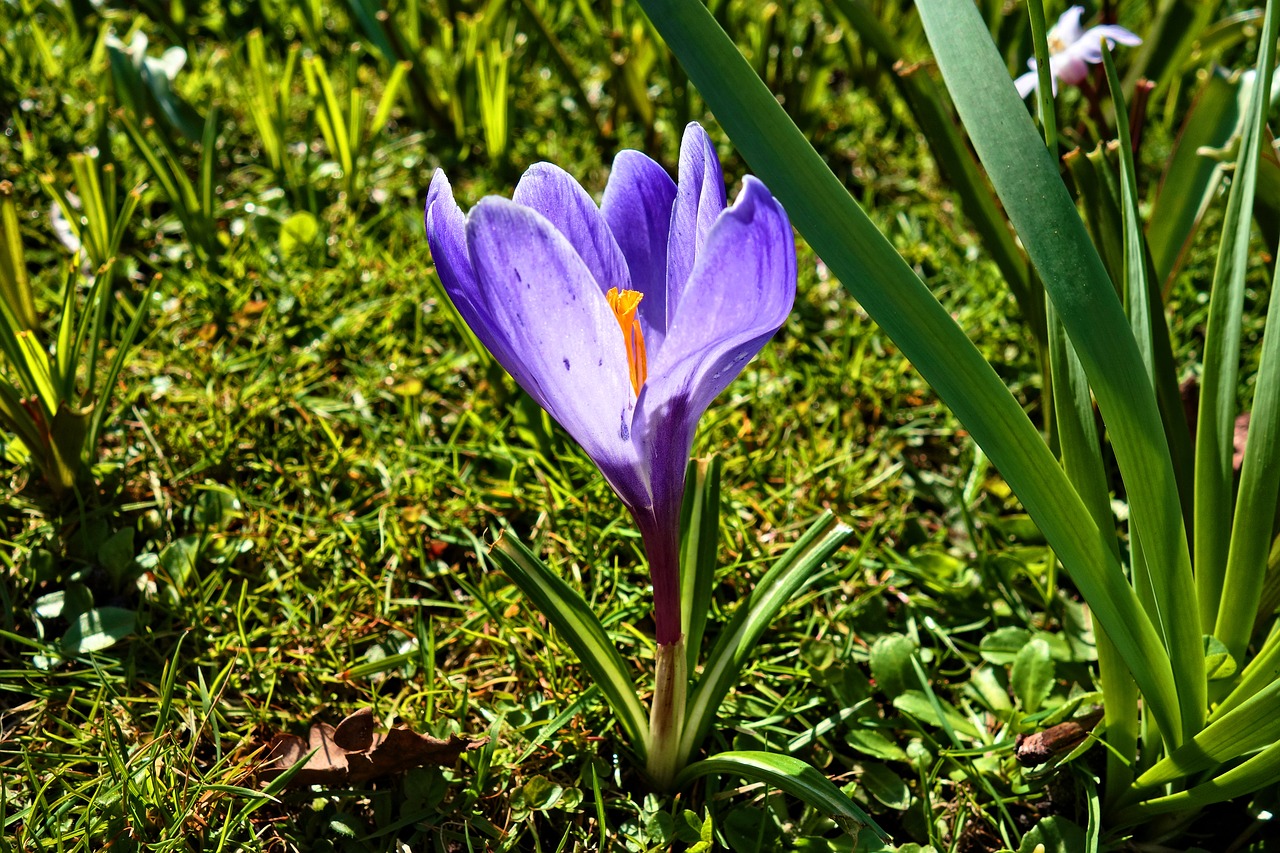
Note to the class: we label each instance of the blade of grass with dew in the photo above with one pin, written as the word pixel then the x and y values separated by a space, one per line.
pixel 790 775
pixel 571 616
pixel 873 272
pixel 1215 423
pixel 700 532
pixel 1041 210
pixel 736 645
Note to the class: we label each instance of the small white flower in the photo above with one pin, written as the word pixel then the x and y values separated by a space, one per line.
pixel 1072 50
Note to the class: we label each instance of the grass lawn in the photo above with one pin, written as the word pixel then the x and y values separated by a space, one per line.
pixel 307 455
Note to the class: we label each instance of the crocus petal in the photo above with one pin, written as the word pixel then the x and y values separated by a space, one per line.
pixel 1067 30
pixel 552 192
pixel 738 295
pixel 1089 47
pixel 700 198
pixel 1027 83
pixel 562 340
pixel 1068 68
pixel 447 238
pixel 637 206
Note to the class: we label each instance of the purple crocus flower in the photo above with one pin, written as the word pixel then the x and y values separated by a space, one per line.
pixel 1072 50
pixel 623 321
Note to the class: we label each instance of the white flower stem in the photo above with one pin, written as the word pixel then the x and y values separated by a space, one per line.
pixel 666 716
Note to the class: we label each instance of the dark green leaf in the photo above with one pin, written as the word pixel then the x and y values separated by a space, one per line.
pixel 98 629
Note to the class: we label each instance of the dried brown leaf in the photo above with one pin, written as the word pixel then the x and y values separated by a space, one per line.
pixel 353 752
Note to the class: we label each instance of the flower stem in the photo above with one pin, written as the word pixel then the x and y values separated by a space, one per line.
pixel 666 716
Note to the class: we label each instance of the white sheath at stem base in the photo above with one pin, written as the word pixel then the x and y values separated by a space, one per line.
pixel 666 716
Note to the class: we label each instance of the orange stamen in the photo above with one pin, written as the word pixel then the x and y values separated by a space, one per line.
pixel 624 304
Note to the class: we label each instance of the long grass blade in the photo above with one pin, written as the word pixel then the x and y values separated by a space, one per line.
pixel 571 616
pixel 790 775
pixel 736 644
pixel 699 534
pixel 15 288
pixel 1253 725
pixel 1215 424
pixel 886 287
pixel 1255 510
pixel 1191 179
pixel 954 158
pixel 1041 210
pixel 124 347
pixel 1260 771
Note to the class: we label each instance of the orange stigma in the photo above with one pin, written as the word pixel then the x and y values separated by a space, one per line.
pixel 624 304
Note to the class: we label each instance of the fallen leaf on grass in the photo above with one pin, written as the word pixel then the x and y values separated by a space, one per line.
pixel 353 752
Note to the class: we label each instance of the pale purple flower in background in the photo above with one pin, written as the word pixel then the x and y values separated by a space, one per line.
pixel 1072 50
pixel 623 321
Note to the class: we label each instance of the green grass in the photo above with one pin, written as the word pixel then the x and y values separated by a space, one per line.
pixel 309 454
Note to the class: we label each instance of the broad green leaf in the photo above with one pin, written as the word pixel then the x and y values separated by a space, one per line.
pixel 63 603
pixel 873 743
pixel 98 629
pixel 914 703
pixel 298 233
pixel 885 286
pixel 736 645
pixel 572 618
pixel 1002 645
pixel 1032 675
pixel 891 663
pixel 117 553
pixel 179 558
pixel 1027 181
pixel 886 786
pixel 989 691
pixel 1053 835
pixel 1215 423
pixel 790 775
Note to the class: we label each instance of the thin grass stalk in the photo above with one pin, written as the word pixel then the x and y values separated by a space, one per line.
pixel 1044 75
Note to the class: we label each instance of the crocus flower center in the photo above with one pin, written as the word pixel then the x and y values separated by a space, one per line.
pixel 624 304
